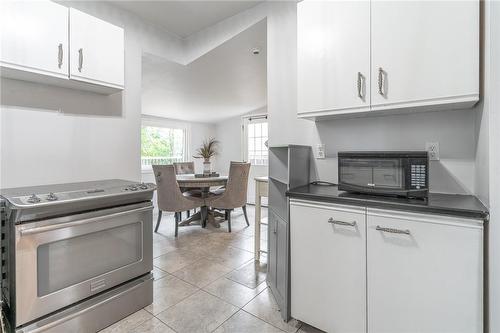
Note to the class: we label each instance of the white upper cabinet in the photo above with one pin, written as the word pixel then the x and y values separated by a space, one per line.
pixel 46 42
pixel 34 38
pixel 96 50
pixel 333 40
pixel 420 55
pixel 424 53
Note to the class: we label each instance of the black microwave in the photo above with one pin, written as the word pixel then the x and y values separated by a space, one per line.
pixel 394 173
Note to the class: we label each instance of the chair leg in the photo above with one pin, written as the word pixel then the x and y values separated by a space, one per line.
pixel 228 213
pixel 158 222
pixel 188 212
pixel 177 218
pixel 245 213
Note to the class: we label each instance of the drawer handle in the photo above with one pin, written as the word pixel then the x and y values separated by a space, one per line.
pixel 392 230
pixel 350 224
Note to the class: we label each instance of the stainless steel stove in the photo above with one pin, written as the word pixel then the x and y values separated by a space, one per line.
pixel 75 257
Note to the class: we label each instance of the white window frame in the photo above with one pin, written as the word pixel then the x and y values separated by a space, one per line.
pixel 167 123
pixel 245 120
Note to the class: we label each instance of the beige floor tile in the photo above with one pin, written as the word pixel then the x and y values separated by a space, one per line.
pixel 129 323
pixel 233 257
pixel 162 247
pixel 243 322
pixel 169 291
pixel 233 292
pixel 153 325
pixel 175 260
pixel 309 329
pixel 248 244
pixel 158 273
pixel 264 307
pixel 200 312
pixel 251 274
pixel 202 272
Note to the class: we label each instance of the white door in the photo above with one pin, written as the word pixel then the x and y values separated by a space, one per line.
pixel 328 266
pixel 96 51
pixel 424 53
pixel 34 37
pixel 333 54
pixel 425 273
pixel 254 150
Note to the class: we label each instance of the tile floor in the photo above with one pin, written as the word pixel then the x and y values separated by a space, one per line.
pixel 207 281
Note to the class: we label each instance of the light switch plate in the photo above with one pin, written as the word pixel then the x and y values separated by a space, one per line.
pixel 321 151
pixel 433 149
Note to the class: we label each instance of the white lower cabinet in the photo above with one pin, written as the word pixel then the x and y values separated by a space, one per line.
pixel 328 280
pixel 358 269
pixel 425 273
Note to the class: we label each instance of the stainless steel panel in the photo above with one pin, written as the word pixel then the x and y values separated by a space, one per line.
pixel 98 312
pixel 30 303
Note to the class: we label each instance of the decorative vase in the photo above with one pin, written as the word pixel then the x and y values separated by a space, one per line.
pixel 207 168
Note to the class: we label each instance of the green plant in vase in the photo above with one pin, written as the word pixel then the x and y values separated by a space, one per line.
pixel 207 150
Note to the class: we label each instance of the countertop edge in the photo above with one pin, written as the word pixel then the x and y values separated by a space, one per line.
pixel 482 215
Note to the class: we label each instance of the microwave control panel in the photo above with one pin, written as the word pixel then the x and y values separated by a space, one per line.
pixel 418 176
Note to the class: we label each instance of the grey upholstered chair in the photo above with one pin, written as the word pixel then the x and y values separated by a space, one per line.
pixel 169 195
pixel 182 168
pixel 234 195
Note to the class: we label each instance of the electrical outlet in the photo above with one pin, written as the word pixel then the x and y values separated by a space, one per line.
pixel 321 152
pixel 433 149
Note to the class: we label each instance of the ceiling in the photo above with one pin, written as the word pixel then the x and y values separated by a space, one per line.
pixel 184 18
pixel 227 81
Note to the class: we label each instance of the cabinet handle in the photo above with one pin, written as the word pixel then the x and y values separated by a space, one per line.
pixel 80 60
pixel 332 221
pixel 361 83
pixel 393 231
pixel 60 55
pixel 275 228
pixel 381 77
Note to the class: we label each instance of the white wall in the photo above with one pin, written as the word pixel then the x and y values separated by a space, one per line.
pixel 88 139
pixel 494 227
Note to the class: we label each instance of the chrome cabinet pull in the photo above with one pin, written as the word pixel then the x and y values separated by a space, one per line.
pixel 381 77
pixel 60 55
pixel 361 83
pixel 392 230
pixel 80 60
pixel 350 224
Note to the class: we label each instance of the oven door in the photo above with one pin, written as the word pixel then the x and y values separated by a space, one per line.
pixel 64 260
pixel 374 175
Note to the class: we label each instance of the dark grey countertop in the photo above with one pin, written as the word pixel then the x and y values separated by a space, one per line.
pixel 437 203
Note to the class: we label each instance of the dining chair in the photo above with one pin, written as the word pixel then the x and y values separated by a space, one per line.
pixel 234 195
pixel 169 195
pixel 183 168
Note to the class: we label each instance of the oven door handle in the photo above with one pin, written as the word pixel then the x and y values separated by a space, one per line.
pixel 47 228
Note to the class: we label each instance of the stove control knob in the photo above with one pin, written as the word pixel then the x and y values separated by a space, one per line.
pixel 51 197
pixel 132 188
pixel 143 186
pixel 34 199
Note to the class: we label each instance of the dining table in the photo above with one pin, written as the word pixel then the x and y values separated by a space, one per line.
pixel 204 183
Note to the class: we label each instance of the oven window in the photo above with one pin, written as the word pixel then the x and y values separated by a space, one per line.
pixel 372 173
pixel 70 261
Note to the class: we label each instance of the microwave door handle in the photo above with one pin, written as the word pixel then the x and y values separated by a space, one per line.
pixel 53 227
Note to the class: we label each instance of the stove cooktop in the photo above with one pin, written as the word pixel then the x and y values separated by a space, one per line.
pixel 59 198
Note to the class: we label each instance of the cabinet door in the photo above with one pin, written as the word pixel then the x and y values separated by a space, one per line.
pixel 333 56
pixel 328 266
pixel 426 278
pixel 34 37
pixel 97 50
pixel 424 53
pixel 271 248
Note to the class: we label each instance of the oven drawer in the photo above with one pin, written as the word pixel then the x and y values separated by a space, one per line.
pixel 64 260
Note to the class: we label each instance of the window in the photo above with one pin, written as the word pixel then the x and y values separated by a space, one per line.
pixel 162 145
pixel 255 139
